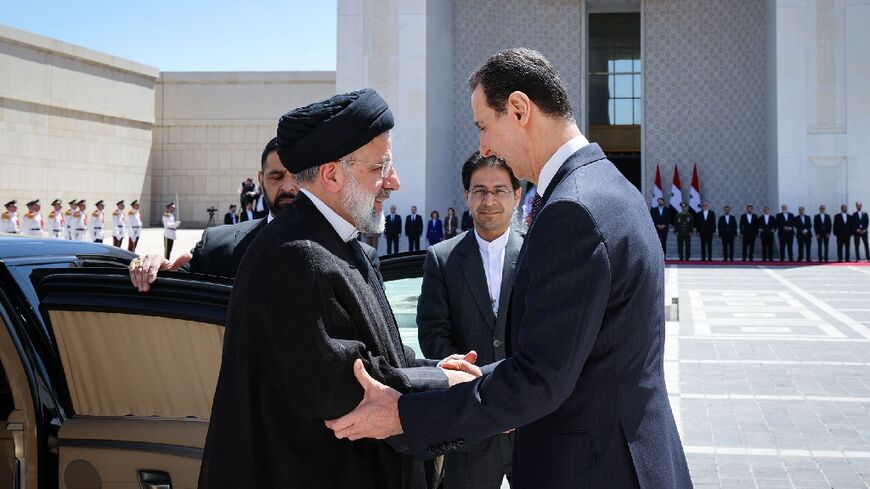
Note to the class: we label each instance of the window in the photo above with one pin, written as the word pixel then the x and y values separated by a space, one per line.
pixel 403 295
pixel 615 83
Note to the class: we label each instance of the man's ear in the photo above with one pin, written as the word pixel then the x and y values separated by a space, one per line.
pixel 260 178
pixel 331 177
pixel 519 107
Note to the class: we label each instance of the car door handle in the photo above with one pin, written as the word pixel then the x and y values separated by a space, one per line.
pixel 154 479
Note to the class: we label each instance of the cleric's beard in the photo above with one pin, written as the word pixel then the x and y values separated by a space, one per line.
pixel 360 204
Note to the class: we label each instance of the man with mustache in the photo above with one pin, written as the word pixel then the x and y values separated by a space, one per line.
pixel 307 303
pixel 221 248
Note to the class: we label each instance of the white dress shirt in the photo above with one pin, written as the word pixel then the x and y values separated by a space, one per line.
pixel 492 254
pixel 556 161
pixel 346 231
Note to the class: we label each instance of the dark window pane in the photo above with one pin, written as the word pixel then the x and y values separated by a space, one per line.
pixel 598 60
pixel 599 95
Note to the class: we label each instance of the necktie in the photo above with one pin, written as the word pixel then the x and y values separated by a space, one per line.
pixel 536 206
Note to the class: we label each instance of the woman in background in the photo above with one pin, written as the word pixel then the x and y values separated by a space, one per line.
pixel 451 223
pixel 435 231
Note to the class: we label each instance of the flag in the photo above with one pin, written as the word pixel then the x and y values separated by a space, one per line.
pixel 695 193
pixel 657 190
pixel 676 193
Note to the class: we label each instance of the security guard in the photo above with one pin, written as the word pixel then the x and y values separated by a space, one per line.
pixel 10 218
pixel 134 223
pixel 55 220
pixel 97 221
pixel 118 224
pixel 169 227
pixel 32 223
pixel 80 222
pixel 683 225
pixel 68 218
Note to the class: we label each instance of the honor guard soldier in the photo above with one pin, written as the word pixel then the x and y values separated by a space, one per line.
pixel 68 218
pixel 80 222
pixel 32 223
pixel 119 228
pixel 97 221
pixel 10 218
pixel 169 227
pixel 134 226
pixel 684 223
pixel 55 220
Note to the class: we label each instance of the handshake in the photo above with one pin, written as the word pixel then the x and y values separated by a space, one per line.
pixel 460 368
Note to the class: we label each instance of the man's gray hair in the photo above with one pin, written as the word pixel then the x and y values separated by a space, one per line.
pixel 308 175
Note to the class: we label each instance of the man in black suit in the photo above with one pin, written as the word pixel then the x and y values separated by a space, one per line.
pixel 748 231
pixel 803 227
pixel 767 229
pixel 392 230
pixel 859 228
pixel 231 217
pixel 822 228
pixel 583 381
pixel 661 218
pixel 705 223
pixel 413 229
pixel 464 300
pixel 843 232
pixel 785 233
pixel 467 221
pixel 287 363
pixel 727 230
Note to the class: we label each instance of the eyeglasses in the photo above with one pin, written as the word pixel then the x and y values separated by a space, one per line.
pixel 385 166
pixel 498 193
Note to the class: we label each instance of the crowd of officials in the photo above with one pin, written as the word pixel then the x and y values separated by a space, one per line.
pixel 784 228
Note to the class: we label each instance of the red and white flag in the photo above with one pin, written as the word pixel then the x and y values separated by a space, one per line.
pixel 695 193
pixel 657 190
pixel 676 192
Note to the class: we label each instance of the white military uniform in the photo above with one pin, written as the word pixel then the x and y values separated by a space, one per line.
pixel 119 227
pixel 68 219
pixel 56 224
pixel 134 221
pixel 31 224
pixel 9 222
pixel 97 221
pixel 79 225
pixel 169 225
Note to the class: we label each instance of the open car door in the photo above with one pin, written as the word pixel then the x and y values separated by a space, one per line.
pixel 139 374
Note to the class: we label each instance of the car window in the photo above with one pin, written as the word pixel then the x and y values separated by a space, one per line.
pixel 21 273
pixel 403 294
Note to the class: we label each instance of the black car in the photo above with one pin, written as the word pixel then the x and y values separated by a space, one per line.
pixel 104 385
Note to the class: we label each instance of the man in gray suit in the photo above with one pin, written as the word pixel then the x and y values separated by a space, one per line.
pixel 583 382
pixel 464 300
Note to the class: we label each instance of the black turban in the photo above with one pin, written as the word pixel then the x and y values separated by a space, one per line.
pixel 326 131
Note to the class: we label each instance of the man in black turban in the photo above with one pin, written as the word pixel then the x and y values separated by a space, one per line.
pixel 306 303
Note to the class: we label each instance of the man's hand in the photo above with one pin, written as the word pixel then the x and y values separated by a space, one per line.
pixel 376 416
pixel 143 271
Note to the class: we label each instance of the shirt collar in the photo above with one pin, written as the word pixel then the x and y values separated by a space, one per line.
pixel 346 231
pixel 495 245
pixel 269 217
pixel 556 161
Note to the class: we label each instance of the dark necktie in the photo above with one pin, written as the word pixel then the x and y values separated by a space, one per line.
pixel 536 206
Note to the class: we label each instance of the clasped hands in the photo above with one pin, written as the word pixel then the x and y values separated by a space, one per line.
pixel 377 415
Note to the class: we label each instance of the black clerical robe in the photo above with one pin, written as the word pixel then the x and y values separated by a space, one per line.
pixel 304 306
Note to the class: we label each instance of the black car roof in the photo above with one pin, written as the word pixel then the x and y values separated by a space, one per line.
pixel 12 246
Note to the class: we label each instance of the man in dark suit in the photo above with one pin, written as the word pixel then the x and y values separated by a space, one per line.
pixel 287 363
pixel 583 381
pixel 859 228
pixel 822 228
pixel 467 221
pixel 661 218
pixel 803 227
pixel 231 217
pixel 464 301
pixel 843 232
pixel 392 230
pixel 748 231
pixel 767 230
pixel 785 233
pixel 413 229
pixel 705 223
pixel 727 230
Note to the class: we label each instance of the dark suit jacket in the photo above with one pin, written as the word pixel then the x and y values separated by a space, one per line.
pixel 434 231
pixel 393 227
pixel 231 218
pixel 584 386
pixel 842 227
pixel 414 228
pixel 729 229
pixel 705 226
pixel 859 223
pixel 769 228
pixel 747 229
pixel 785 220
pixel 303 308
pixel 801 224
pixel 822 227
pixel 243 216
pixel 467 221
pixel 663 217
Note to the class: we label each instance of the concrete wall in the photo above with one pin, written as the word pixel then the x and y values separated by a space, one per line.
pixel 210 131
pixel 74 123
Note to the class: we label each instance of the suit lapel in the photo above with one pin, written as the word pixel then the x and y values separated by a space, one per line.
pixel 472 268
pixel 511 254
